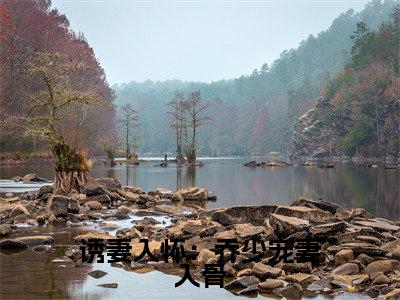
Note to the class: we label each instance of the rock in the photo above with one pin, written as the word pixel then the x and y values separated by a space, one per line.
pixel 291 290
pixel 124 210
pixel 395 294
pixel 189 194
pixel 33 178
pixel 343 256
pixel 244 272
pixel 369 239
pixel 386 266
pixel 264 271
pixel 359 248
pixel 270 284
pixel 41 248
pixel 252 289
pixel 9 195
pixel 109 184
pixel 326 230
pixel 5 230
pixel 91 189
pixel 306 213
pixel 103 198
pixel 97 274
pixel 204 256
pixel 58 205
pixel 327 206
pixel 246 232
pixel 26 241
pixel 47 189
pixel 73 206
pixel 382 279
pixel 304 267
pixel 252 164
pixel 137 249
pixel 254 214
pixel 378 225
pixel 164 193
pixel 302 278
pixel 93 205
pixel 128 233
pixel 285 226
pixel 109 226
pixel 349 214
pixel 346 269
pixel 18 209
pixel 128 195
pixel 322 285
pixel 109 285
pixel 242 282
pixel 146 199
pixel 92 235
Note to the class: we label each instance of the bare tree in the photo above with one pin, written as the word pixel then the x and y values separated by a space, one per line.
pixel 129 120
pixel 54 103
pixel 178 122
pixel 194 107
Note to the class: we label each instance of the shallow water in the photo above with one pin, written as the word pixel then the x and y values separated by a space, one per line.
pixel 375 189
pixel 30 275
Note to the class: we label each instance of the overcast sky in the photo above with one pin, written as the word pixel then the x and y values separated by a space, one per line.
pixel 195 40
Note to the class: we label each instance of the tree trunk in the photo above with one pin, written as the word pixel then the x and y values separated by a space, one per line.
pixel 68 181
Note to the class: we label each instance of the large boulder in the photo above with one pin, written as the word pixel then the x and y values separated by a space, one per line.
pixel 191 194
pixel 285 226
pixel 58 205
pixel 326 230
pixel 26 241
pixel 385 266
pixel 306 213
pixel 93 189
pixel 109 184
pixel 323 205
pixel 254 214
pixel 99 198
pixel 33 178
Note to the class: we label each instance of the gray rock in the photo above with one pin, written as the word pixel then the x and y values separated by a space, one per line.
pixel 242 282
pixel 109 184
pixel 306 213
pixel 103 198
pixel 254 214
pixel 58 205
pixel 285 225
pixel 97 274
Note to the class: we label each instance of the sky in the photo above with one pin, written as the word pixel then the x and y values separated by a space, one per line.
pixel 198 40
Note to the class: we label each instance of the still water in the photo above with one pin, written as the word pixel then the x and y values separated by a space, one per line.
pixel 375 189
pixel 30 275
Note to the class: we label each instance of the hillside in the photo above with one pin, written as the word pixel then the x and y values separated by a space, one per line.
pixel 359 111
pixel 254 114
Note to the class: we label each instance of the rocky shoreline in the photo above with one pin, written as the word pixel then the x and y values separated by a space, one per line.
pixel 358 252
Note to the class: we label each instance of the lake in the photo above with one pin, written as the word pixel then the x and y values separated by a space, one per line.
pixel 30 275
pixel 375 189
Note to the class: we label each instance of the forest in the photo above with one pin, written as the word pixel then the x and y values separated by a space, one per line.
pixel 256 113
pixel 252 114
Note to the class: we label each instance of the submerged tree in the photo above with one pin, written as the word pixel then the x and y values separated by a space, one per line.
pixel 194 107
pixel 57 102
pixel 178 122
pixel 110 147
pixel 128 120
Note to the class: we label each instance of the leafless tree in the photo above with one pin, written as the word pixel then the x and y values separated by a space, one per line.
pixel 128 120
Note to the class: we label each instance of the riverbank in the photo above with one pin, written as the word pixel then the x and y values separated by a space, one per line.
pixel 359 253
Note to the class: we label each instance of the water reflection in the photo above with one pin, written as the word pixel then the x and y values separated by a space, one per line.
pixel 377 190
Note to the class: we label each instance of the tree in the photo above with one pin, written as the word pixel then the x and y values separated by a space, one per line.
pixel 129 120
pixel 194 107
pixel 177 119
pixel 56 102
pixel 110 146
